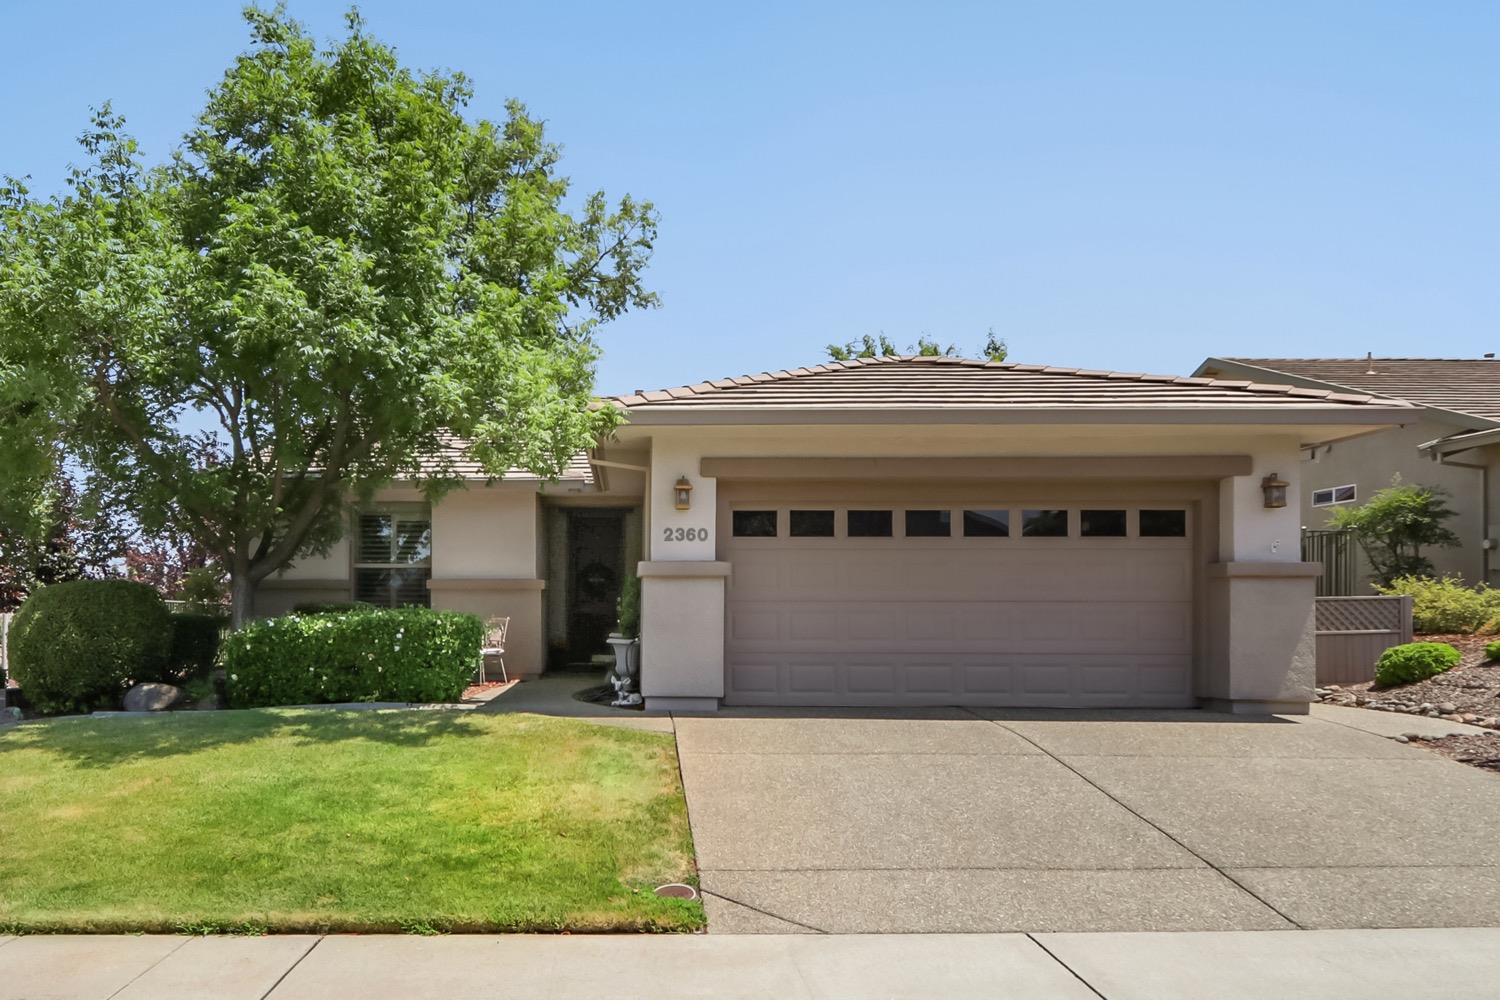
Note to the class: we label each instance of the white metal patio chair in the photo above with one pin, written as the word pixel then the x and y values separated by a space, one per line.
pixel 494 645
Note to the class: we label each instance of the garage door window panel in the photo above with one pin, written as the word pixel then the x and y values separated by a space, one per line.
pixel 1163 523
pixel 1044 523
pixel 991 523
pixel 811 523
pixel 1097 523
pixel 755 523
pixel 869 524
pixel 929 523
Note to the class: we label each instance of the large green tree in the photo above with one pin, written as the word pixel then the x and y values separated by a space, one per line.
pixel 70 537
pixel 881 346
pixel 336 269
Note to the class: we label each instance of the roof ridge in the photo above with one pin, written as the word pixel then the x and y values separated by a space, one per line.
pixel 729 384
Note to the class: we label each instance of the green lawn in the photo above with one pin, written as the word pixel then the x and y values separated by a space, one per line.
pixel 284 820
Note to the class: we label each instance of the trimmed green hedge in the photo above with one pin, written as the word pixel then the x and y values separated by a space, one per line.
pixel 73 646
pixel 195 643
pixel 1414 661
pixel 408 654
pixel 330 607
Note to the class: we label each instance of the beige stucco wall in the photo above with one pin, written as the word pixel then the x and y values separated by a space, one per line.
pixel 485 532
pixel 1264 660
pixel 490 553
pixel 1261 654
pixel 1259 608
pixel 1371 461
pixel 682 633
pixel 485 555
pixel 485 562
pixel 1247 530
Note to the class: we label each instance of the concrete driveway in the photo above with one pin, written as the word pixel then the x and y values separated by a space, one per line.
pixel 989 821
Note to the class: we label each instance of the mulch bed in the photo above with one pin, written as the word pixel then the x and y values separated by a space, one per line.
pixel 1470 692
pixel 1482 751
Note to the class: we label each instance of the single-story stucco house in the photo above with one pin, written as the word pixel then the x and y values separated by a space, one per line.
pixel 1453 444
pixel 898 531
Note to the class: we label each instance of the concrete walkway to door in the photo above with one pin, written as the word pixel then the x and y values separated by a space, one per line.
pixel 948 820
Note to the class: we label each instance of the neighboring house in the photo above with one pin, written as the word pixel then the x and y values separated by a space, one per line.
pixel 899 531
pixel 1454 444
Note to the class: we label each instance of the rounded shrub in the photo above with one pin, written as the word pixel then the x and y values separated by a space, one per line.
pixel 1414 661
pixel 195 643
pixel 408 654
pixel 1492 651
pixel 73 646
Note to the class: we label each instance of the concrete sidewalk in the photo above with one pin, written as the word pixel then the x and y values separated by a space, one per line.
pixel 1329 965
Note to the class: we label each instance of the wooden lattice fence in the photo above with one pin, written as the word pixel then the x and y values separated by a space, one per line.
pixel 1352 632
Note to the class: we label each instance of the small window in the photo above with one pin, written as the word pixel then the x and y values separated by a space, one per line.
pixel 755 524
pixel 1044 523
pixel 869 523
pixel 1333 495
pixel 1163 523
pixel 929 523
pixel 811 523
pixel 1101 523
pixel 393 559
pixel 986 524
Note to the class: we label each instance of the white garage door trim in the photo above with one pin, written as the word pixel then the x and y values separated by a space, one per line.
pixel 1022 620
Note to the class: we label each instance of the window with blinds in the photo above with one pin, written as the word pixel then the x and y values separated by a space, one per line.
pixel 393 558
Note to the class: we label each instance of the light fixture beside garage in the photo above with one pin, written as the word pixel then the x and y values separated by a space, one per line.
pixel 1274 487
pixel 683 493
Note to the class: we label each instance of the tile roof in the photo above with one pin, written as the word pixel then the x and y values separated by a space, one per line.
pixel 454 455
pixel 940 382
pixel 1467 385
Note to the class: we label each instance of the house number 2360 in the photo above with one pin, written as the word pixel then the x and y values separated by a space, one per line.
pixel 684 534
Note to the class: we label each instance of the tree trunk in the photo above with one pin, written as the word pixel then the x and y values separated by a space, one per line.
pixel 241 598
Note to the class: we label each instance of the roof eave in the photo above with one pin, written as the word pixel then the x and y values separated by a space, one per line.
pixel 1360 414
pixel 1461 442
pixel 1225 365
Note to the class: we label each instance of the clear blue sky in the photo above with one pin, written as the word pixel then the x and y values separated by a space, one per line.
pixel 1122 185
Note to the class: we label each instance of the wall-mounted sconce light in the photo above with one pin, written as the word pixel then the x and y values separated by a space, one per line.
pixel 683 492
pixel 1274 487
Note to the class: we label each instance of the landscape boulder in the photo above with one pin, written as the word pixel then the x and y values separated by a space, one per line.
pixel 152 697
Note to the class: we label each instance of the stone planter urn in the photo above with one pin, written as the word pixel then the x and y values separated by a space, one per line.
pixel 627 669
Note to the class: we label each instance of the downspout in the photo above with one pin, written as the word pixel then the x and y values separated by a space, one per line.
pixel 1484 510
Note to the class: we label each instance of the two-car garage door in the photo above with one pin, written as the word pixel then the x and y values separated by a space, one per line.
pixel 980 603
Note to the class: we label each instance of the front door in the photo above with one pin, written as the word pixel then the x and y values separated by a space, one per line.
pixel 596 564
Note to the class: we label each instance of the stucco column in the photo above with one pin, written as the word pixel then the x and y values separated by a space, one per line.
pixel 682 634
pixel 1259 596
pixel 682 586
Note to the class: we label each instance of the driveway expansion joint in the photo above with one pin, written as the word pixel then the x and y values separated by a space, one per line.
pixel 1115 799
pixel 763 912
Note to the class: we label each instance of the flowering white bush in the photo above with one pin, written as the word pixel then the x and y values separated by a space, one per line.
pixel 409 654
